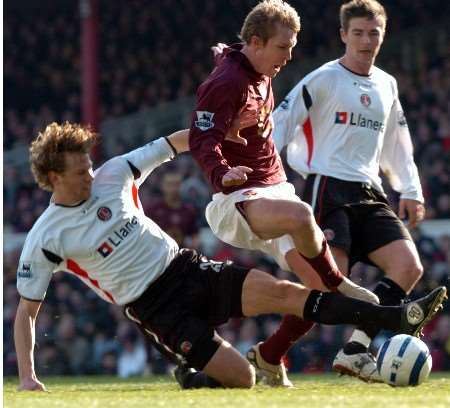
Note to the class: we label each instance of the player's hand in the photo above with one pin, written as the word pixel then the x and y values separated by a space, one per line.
pixel 414 209
pixel 31 384
pixel 245 119
pixel 236 176
pixel 218 49
pixel 219 52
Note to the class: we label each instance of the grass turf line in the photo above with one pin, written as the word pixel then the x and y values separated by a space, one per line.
pixel 321 391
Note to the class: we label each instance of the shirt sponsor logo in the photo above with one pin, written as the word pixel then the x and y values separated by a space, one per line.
pixel 365 100
pixel 104 213
pixel 358 120
pixel 341 117
pixel 204 120
pixel 117 237
pixel 25 270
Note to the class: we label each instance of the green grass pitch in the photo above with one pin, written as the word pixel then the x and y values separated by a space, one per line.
pixel 311 391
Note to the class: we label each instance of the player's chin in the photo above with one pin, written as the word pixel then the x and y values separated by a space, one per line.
pixel 275 70
pixel 86 193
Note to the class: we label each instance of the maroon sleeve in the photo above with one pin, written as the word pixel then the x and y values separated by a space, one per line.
pixel 217 105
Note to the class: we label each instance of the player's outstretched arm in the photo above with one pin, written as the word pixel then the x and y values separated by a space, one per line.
pixel 180 140
pixel 24 339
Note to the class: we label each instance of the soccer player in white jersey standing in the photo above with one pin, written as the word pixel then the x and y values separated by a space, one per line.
pixel 341 124
pixel 95 228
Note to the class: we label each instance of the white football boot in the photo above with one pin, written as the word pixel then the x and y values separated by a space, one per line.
pixel 270 374
pixel 359 365
pixel 351 289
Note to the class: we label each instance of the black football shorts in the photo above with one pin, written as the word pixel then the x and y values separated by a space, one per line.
pixel 353 216
pixel 181 309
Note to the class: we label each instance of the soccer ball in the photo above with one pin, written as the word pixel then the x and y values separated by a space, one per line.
pixel 404 360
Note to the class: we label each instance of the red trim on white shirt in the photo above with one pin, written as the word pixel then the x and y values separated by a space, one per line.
pixel 78 270
pixel 134 192
pixel 307 130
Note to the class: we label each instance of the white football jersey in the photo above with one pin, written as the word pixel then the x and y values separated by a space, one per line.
pixel 106 241
pixel 340 124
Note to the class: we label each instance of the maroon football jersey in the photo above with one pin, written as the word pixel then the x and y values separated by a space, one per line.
pixel 232 85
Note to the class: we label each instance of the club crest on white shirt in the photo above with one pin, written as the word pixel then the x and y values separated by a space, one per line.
pixel 104 213
pixel 204 120
pixel 365 100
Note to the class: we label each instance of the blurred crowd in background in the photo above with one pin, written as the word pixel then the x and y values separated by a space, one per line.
pixel 145 61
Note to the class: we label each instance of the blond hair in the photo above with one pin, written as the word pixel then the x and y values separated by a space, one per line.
pixel 370 9
pixel 47 150
pixel 263 19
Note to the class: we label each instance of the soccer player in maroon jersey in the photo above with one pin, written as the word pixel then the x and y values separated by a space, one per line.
pixel 253 206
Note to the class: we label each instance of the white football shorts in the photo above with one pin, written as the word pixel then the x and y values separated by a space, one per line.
pixel 230 226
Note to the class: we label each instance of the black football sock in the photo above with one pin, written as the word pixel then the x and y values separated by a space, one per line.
pixel 353 347
pixel 390 294
pixel 199 379
pixel 334 308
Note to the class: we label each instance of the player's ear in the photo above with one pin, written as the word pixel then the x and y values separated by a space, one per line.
pixel 54 177
pixel 343 35
pixel 256 41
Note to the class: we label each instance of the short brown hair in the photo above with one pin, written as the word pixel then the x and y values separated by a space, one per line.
pixel 263 18
pixel 47 150
pixel 361 8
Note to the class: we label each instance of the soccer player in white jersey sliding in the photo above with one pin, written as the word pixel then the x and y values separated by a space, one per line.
pixel 341 124
pixel 95 228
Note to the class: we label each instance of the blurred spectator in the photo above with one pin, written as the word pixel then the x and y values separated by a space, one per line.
pixel 133 357
pixel 248 336
pixel 176 217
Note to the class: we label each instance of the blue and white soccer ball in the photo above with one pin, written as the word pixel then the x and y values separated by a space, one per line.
pixel 404 360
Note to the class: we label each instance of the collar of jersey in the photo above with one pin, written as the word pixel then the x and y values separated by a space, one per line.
pixel 71 206
pixel 236 54
pixel 353 72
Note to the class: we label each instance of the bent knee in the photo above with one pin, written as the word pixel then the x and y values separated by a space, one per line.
pixel 409 273
pixel 417 271
pixel 248 377
pixel 245 378
pixel 299 217
pixel 412 269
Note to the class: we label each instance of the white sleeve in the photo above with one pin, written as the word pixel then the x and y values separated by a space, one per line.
pixel 137 164
pixel 288 115
pixel 293 112
pixel 397 160
pixel 144 160
pixel 34 271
